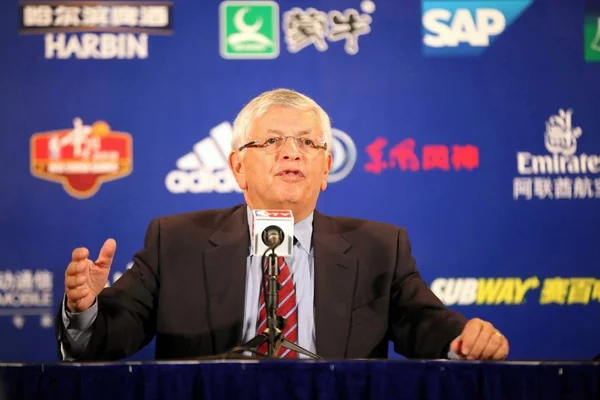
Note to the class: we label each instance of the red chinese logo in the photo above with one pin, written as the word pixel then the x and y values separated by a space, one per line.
pixel 81 158
pixel 403 156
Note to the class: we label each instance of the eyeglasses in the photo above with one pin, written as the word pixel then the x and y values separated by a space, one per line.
pixel 273 144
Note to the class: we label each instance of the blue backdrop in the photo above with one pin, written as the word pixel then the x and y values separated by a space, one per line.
pixel 474 124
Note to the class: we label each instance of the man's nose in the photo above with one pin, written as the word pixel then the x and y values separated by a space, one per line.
pixel 290 149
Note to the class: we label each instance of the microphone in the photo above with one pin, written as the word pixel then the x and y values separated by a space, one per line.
pixel 272 229
pixel 272 236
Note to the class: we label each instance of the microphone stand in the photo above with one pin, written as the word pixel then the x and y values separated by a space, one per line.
pixel 271 301
pixel 273 335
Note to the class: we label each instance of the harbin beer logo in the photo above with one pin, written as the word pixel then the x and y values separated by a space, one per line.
pixel 81 158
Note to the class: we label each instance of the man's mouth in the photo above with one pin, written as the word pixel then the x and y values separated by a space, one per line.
pixel 291 173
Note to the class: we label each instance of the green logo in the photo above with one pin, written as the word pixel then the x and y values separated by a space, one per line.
pixel 249 29
pixel 592 38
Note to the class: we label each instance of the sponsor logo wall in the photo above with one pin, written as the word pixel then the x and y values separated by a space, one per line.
pixel 466 27
pixel 563 173
pixel 470 123
pixel 513 291
pixel 206 169
pixel 95 30
pixel 81 158
pixel 252 29
pixel 592 36
pixel 27 295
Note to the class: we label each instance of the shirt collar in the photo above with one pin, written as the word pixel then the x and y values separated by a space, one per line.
pixel 302 230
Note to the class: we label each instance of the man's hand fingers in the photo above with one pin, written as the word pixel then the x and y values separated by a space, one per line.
pixel 493 344
pixel 73 281
pixel 482 341
pixel 78 293
pixel 80 254
pixel 456 345
pixel 469 335
pixel 502 351
pixel 107 252
pixel 77 268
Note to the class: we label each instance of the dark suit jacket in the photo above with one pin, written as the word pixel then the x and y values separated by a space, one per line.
pixel 187 288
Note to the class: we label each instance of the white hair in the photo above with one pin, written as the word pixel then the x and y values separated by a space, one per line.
pixel 261 104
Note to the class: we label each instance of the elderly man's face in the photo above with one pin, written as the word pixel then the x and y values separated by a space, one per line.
pixel 287 177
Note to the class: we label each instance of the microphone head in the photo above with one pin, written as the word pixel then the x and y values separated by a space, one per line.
pixel 272 230
pixel 272 236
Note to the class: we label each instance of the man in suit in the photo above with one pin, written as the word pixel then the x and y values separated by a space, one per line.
pixel 350 287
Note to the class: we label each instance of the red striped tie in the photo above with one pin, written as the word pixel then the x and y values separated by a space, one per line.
pixel 287 308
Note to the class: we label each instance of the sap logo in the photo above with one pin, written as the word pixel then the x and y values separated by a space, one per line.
pixel 466 27
pixel 463 28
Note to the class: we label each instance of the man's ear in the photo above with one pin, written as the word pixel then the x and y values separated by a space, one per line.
pixel 236 163
pixel 328 164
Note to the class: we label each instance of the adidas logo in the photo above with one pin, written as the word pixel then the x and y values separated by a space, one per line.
pixel 206 170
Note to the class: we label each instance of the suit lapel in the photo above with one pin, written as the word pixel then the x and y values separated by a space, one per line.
pixel 225 266
pixel 335 274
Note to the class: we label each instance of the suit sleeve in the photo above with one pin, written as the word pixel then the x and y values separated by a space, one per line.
pixel 126 317
pixel 420 325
